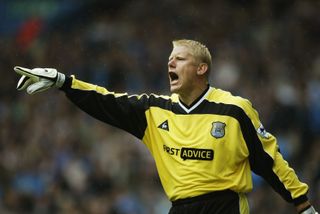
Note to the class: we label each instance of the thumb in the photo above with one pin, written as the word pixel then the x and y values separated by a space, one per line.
pixel 24 82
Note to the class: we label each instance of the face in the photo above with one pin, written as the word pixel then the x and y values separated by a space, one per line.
pixel 182 70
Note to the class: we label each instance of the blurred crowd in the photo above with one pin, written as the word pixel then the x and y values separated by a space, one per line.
pixel 56 159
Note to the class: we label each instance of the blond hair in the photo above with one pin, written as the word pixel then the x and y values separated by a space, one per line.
pixel 197 49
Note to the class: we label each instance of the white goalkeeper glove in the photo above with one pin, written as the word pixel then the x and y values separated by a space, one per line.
pixel 310 210
pixel 38 79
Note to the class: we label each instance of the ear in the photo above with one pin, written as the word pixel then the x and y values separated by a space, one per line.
pixel 202 69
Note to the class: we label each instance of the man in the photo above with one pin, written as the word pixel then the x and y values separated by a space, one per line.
pixel 204 140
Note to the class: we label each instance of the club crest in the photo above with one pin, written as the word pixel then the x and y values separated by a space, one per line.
pixel 218 129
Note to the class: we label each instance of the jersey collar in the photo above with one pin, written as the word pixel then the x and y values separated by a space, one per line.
pixel 196 103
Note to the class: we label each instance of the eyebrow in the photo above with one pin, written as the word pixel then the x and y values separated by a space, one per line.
pixel 178 55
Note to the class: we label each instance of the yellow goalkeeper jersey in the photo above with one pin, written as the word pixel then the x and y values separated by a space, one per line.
pixel 212 145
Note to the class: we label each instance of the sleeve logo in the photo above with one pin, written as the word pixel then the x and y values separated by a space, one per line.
pixel 262 132
pixel 218 129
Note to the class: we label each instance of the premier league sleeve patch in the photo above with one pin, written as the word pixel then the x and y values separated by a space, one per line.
pixel 218 129
pixel 262 132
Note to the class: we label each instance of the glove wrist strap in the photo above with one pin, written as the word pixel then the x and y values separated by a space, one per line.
pixel 60 80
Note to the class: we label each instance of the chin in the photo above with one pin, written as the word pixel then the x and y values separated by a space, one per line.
pixel 174 89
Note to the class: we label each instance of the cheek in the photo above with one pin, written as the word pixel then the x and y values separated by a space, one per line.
pixel 189 74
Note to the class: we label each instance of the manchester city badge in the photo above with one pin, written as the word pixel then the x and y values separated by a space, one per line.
pixel 218 129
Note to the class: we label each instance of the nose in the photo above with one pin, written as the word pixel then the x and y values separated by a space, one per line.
pixel 171 63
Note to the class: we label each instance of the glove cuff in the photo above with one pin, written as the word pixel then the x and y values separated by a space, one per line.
pixel 60 80
pixel 310 210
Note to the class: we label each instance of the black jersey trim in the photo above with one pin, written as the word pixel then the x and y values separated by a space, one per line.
pixel 223 194
pixel 111 110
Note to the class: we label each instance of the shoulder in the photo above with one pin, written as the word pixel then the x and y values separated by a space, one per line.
pixel 171 98
pixel 226 97
pixel 237 103
pixel 156 100
pixel 157 97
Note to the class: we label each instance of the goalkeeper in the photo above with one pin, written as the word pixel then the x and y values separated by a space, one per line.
pixel 204 140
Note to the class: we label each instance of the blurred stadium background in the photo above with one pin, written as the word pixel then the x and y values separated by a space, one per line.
pixel 56 159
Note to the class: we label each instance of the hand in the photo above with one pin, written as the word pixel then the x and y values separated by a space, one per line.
pixel 38 79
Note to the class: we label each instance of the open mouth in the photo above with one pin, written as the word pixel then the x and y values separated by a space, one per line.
pixel 173 76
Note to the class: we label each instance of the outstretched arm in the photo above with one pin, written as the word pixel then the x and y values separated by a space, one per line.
pixel 120 110
pixel 117 109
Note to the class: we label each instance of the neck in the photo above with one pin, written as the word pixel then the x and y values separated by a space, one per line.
pixel 192 95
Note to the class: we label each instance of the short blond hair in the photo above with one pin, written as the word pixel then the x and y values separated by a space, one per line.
pixel 197 49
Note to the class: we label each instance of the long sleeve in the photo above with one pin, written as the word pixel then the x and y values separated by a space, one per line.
pixel 266 160
pixel 119 110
